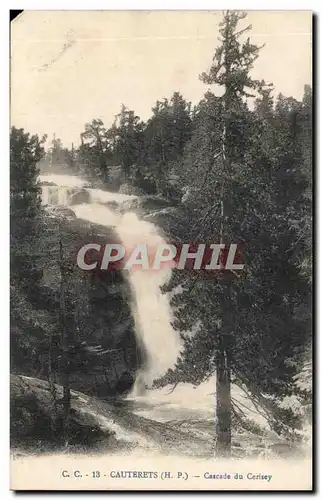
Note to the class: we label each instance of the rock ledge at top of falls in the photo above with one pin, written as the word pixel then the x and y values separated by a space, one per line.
pixel 47 183
pixel 64 195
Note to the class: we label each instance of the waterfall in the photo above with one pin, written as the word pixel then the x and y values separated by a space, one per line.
pixel 150 308
pixel 55 195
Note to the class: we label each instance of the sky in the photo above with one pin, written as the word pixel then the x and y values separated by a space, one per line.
pixel 68 67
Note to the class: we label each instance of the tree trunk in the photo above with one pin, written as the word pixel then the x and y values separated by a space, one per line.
pixel 223 401
pixel 223 389
pixel 64 350
pixel 52 388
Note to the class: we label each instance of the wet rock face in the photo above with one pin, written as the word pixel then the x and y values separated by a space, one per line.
pixel 125 383
pixel 60 211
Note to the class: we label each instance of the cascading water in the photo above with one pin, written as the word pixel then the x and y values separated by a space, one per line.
pixel 52 195
pixel 150 307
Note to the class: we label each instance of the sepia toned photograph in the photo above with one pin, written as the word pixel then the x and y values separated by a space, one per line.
pixel 161 250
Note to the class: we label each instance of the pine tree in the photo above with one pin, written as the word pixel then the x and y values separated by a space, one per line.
pixel 94 151
pixel 230 70
pixel 57 156
pixel 234 165
pixel 127 141
pixel 25 153
pixel 165 137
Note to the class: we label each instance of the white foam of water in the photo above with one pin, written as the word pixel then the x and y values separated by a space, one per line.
pixel 120 433
pixel 96 213
pixel 55 195
pixel 98 195
pixel 63 180
pixel 152 312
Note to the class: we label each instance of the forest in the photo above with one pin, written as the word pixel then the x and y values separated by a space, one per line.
pixel 235 167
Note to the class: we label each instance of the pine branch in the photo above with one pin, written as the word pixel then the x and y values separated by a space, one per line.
pixel 239 33
pixel 173 388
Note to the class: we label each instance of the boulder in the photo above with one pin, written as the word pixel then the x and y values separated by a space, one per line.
pixel 125 383
pixel 79 196
pixel 145 204
pixel 113 205
pixel 127 188
pixel 31 415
